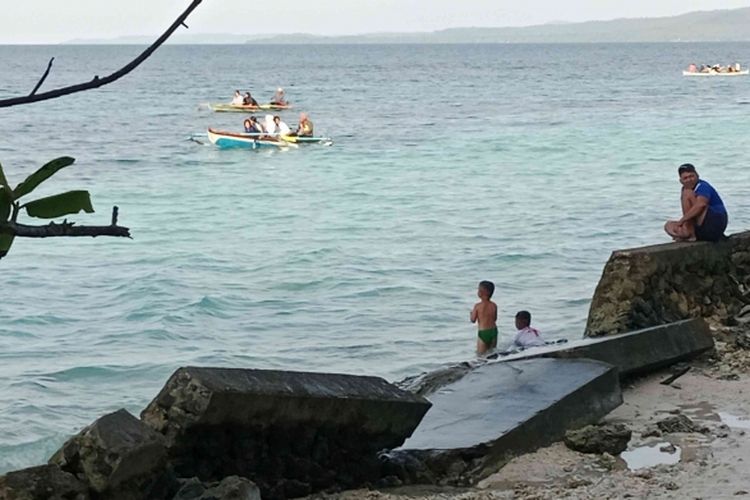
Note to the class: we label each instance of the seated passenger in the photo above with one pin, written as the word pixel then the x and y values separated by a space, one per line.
pixel 248 100
pixel 692 68
pixel 237 99
pixel 281 127
pixel 252 126
pixel 279 98
pixel 526 336
pixel 305 126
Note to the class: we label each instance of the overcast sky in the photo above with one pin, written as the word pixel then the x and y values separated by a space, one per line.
pixel 52 21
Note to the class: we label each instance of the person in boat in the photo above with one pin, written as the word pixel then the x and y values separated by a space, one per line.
pixel 281 127
pixel 276 127
pixel 527 336
pixel 304 127
pixel 237 99
pixel 248 100
pixel 692 68
pixel 704 216
pixel 252 126
pixel 279 98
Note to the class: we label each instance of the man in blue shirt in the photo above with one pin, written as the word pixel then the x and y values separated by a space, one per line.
pixel 704 217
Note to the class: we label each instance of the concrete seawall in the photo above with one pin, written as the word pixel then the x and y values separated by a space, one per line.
pixel 659 284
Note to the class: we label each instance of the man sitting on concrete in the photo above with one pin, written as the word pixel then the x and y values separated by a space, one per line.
pixel 526 336
pixel 704 217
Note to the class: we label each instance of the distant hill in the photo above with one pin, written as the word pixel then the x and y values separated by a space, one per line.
pixel 704 26
pixel 729 25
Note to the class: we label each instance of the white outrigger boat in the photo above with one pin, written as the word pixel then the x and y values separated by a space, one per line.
pixel 716 73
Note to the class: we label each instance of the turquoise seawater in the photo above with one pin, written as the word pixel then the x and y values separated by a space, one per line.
pixel 523 164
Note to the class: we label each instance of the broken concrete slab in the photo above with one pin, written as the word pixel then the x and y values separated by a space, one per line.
pixel 117 455
pixel 635 352
pixel 501 410
pixel 292 433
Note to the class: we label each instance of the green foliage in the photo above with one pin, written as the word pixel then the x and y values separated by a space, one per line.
pixel 6 240
pixel 5 205
pixel 49 207
pixel 3 180
pixel 58 205
pixel 41 175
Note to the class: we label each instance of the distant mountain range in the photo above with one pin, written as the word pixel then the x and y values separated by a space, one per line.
pixel 704 26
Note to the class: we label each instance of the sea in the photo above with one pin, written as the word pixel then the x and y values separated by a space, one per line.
pixel 526 165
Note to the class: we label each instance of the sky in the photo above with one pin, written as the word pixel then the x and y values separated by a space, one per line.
pixel 54 21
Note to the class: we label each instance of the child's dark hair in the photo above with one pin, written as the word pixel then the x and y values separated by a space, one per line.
pixel 488 286
pixel 524 316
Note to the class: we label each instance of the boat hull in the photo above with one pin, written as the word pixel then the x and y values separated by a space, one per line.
pixel 233 140
pixel 744 72
pixel 235 108
pixel 306 140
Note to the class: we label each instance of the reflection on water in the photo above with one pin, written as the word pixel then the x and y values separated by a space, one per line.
pixel 651 455
pixel 734 421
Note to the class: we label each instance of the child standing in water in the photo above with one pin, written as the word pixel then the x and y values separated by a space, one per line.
pixel 485 315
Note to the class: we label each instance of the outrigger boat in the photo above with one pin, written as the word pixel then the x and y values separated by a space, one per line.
pixel 716 73
pixel 242 108
pixel 306 140
pixel 225 140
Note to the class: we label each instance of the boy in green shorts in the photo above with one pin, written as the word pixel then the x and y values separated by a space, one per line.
pixel 485 315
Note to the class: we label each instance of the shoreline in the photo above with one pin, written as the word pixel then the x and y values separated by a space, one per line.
pixel 709 464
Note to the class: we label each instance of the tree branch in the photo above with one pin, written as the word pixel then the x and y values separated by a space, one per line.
pixel 44 77
pixel 65 229
pixel 97 82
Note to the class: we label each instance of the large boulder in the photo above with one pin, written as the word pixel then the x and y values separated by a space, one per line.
pixel 605 438
pixel 117 455
pixel 45 482
pixel 291 433
pixel 230 488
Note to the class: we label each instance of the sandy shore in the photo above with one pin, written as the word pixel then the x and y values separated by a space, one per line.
pixel 710 463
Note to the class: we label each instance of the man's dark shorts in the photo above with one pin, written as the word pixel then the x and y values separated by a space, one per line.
pixel 712 229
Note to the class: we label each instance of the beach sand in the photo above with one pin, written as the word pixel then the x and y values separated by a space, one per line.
pixel 711 463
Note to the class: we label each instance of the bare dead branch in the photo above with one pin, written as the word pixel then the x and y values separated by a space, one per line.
pixel 115 210
pixel 97 82
pixel 65 229
pixel 44 77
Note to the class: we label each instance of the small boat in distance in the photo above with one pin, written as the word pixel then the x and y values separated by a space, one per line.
pixel 226 140
pixel 247 108
pixel 716 73
pixel 715 70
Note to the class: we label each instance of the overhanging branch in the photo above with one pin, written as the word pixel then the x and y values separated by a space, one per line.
pixel 65 229
pixel 97 82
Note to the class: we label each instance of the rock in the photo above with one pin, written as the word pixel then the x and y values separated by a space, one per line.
pixel 117 454
pixel 291 433
pixel 679 423
pixel 651 431
pixel 668 448
pixel 45 482
pixel 671 486
pixel 229 488
pixel 609 438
